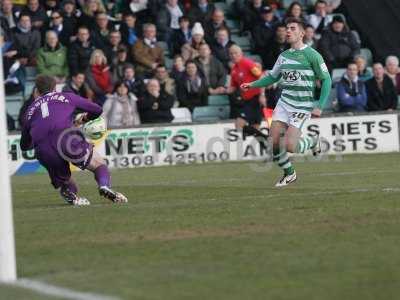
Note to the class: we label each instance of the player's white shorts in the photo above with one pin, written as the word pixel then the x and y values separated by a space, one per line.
pixel 290 115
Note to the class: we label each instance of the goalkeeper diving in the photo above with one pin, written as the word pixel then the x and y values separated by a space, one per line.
pixel 48 128
pixel 298 70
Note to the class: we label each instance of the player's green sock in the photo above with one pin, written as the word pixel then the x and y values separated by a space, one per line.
pixel 304 144
pixel 283 161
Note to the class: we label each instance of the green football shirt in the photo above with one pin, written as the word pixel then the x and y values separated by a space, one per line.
pixel 298 71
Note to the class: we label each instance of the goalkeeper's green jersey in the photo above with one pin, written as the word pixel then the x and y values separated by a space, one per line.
pixel 298 71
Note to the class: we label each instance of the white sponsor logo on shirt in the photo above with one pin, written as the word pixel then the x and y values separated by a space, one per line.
pixel 324 68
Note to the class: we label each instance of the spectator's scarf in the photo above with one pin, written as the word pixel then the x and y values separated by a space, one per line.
pixel 101 75
pixel 353 84
pixel 24 30
pixel 151 43
pixel 127 118
pixel 193 85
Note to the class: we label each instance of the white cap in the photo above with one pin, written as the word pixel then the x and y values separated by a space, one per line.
pixel 197 29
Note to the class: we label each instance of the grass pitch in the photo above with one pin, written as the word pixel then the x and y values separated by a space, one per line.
pixel 219 231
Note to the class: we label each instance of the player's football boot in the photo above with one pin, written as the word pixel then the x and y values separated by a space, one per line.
pixel 286 180
pixel 73 199
pixel 109 194
pixel 316 149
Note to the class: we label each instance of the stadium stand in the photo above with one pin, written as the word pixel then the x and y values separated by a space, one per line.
pixel 218 105
pixel 218 100
pixel 211 113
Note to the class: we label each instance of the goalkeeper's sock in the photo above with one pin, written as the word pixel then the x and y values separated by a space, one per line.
pixel 102 176
pixel 250 130
pixel 304 144
pixel 69 191
pixel 69 187
pixel 283 161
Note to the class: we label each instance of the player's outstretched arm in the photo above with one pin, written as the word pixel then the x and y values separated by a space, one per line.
pixel 260 83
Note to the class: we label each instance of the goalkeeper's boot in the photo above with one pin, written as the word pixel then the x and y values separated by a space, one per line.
pixel 286 180
pixel 316 149
pixel 73 199
pixel 109 194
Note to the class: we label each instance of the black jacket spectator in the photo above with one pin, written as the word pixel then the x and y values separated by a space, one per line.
pixel 216 75
pixel 79 56
pixel 155 109
pixel 383 98
pixel 163 23
pixel 9 16
pixel 83 91
pixel 100 35
pixel 27 43
pixel 201 13
pixel 135 86
pixel 216 22
pixel 221 52
pixel 263 35
pixel 210 30
pixel 178 39
pixel 70 23
pixel 192 90
pixel 64 33
pixel 38 15
pixel 276 47
pixel 8 21
pixel 338 47
pixel 129 35
pixel 251 15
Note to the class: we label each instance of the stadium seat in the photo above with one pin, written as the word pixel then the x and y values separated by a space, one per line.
pixel 31 73
pixel 331 104
pixel 255 57
pixel 13 104
pixel 181 115
pixel 29 85
pixel 164 46
pixel 367 54
pixel 337 74
pixel 211 113
pixel 242 41
pixel 222 6
pixel 233 25
pixel 228 80
pixel 168 62
pixel 217 100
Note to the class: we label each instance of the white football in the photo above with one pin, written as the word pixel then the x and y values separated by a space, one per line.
pixel 95 129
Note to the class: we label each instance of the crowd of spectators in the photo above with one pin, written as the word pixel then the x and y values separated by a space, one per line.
pixel 109 51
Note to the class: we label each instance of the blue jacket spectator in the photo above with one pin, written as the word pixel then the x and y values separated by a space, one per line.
pixel 351 91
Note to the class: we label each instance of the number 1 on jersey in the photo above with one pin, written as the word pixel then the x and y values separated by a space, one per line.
pixel 45 110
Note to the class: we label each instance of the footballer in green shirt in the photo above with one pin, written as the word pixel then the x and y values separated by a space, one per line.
pixel 297 70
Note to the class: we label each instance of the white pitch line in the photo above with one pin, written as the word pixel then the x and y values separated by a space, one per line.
pixel 52 290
